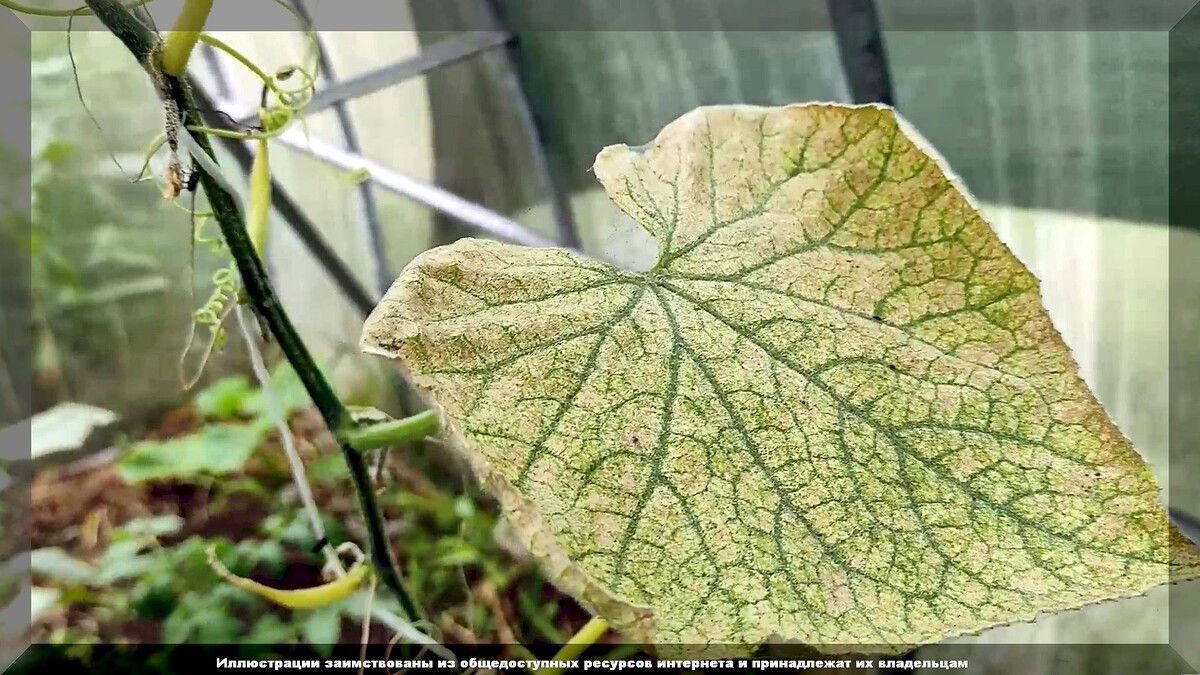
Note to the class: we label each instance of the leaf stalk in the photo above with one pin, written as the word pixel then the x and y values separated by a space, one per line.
pixel 178 45
pixel 587 636
pixel 395 432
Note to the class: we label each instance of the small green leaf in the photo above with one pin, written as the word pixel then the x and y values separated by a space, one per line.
pixel 217 625
pixel 455 553
pixel 322 627
pixel 153 596
pixel 248 486
pixel 224 399
pixel 58 565
pixel 214 449
pixel 178 626
pixel 153 526
pixel 123 548
pixel 295 532
pixel 56 152
pixel 329 468
pixel 834 411
pixel 121 569
pixel 270 630
pixel 267 553
pixel 66 427
pixel 289 393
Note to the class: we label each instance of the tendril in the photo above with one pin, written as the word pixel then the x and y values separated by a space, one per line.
pixel 211 316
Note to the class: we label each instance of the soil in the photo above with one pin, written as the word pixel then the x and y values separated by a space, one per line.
pixel 77 511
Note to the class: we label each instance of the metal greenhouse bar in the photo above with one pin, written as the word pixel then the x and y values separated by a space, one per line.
pixel 370 208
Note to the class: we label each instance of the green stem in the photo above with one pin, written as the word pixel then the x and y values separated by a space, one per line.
pixel 209 131
pixel 221 45
pixel 285 97
pixel 142 44
pixel 387 434
pixel 579 642
pixel 183 36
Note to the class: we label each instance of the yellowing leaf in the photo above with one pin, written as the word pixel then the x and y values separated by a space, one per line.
pixel 835 411
pixel 301 598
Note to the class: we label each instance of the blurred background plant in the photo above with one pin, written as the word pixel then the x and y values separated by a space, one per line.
pixel 110 260
pixel 119 548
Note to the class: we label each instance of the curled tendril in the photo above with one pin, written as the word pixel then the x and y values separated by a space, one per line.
pixel 215 242
pixel 280 104
pixel 274 120
pixel 274 117
pixel 299 96
pixel 198 215
pixel 155 145
pixel 211 315
pixel 285 93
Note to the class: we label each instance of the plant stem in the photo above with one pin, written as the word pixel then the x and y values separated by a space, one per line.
pixel 143 45
pixel 579 642
pixel 22 8
pixel 215 43
pixel 183 36
pixel 387 434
